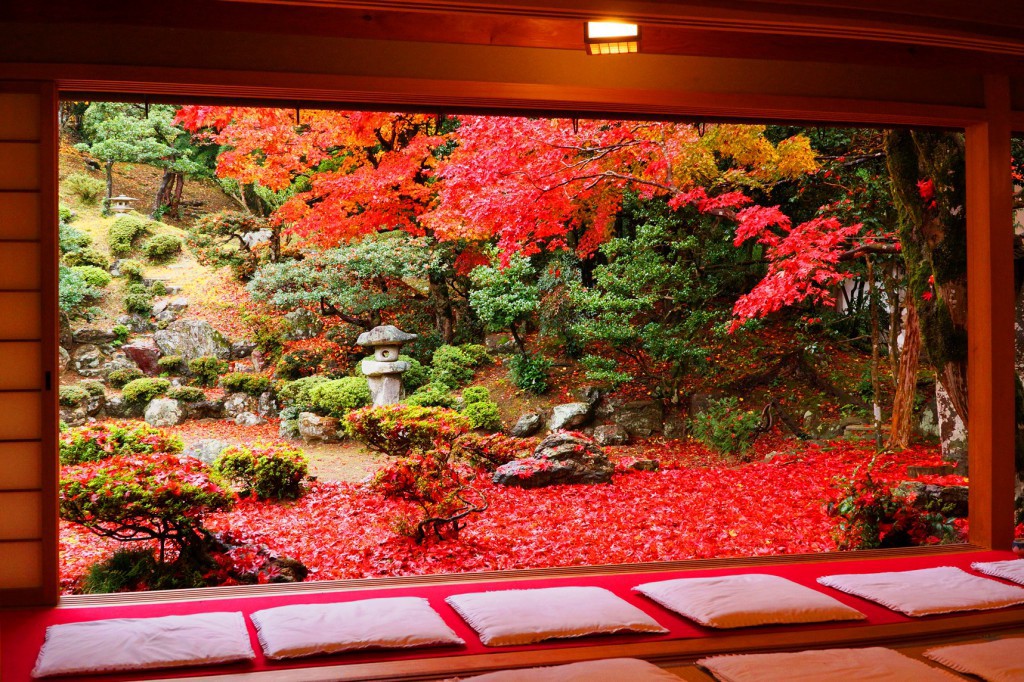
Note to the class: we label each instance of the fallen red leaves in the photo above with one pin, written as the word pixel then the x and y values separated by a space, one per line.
pixel 341 530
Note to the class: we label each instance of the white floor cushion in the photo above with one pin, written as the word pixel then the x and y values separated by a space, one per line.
pixel 928 590
pixel 1001 660
pixel 873 664
pixel 389 623
pixel 607 670
pixel 1012 569
pixel 509 617
pixel 144 643
pixel 736 601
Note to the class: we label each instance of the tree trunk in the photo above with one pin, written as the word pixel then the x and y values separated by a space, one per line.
pixel 876 390
pixel 109 168
pixel 161 192
pixel 175 201
pixel 444 313
pixel 928 183
pixel 906 384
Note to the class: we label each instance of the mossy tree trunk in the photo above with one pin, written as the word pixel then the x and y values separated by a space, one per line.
pixel 929 185
pixel 906 382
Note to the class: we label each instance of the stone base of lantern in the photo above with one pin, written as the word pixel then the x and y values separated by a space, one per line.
pixel 385 380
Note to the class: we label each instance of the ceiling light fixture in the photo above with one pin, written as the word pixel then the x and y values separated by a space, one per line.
pixel 611 37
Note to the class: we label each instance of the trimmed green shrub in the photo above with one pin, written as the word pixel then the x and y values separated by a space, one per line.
pixel 125 232
pixel 131 270
pixel 477 352
pixel 93 276
pixel 187 394
pixel 141 391
pixel 93 388
pixel 121 334
pixel 337 397
pixel 136 570
pixel 530 372
pixel 264 471
pixel 89 190
pixel 65 214
pixel 296 393
pixel 451 367
pixel 725 427
pixel 162 247
pixel 119 377
pixel 145 497
pixel 206 370
pixel 417 375
pixel 114 439
pixel 74 295
pixel 475 394
pixel 158 288
pixel 72 396
pixel 400 430
pixel 71 239
pixel 245 382
pixel 432 395
pixel 483 415
pixel 87 256
pixel 138 299
pixel 172 364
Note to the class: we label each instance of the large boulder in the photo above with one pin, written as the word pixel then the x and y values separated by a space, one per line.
pixel 641 418
pixel 96 335
pixel 206 409
pixel 313 427
pixel 527 425
pixel 117 408
pixel 63 358
pixel 73 416
pixel 302 324
pixel 266 405
pixel 139 324
pixel 192 339
pixel 144 353
pixel 950 500
pixel 561 458
pixel 163 412
pixel 569 416
pixel 205 450
pixel 237 403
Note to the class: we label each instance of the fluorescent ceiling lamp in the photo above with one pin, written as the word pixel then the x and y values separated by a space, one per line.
pixel 611 37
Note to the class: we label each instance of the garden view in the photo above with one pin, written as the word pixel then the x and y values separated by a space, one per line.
pixel 617 342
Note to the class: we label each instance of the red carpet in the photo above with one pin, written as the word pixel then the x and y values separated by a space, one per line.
pixel 22 631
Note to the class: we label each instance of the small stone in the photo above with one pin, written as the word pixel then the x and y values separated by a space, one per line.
pixel 611 434
pixel 242 349
pixel 164 412
pixel 313 427
pixel 205 450
pixel 267 406
pixel 527 425
pixel 249 419
pixel 645 465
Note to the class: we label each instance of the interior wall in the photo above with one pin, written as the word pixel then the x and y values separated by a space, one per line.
pixel 27 431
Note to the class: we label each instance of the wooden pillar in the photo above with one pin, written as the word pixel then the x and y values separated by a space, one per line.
pixel 28 343
pixel 990 321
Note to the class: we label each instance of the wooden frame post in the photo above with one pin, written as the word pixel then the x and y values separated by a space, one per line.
pixel 990 321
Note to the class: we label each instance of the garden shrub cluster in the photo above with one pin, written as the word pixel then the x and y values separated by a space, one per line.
pixel 245 382
pixel 87 256
pixel 89 190
pixel 399 430
pixel 187 394
pixel 162 247
pixel 97 442
pixel 131 269
pixel 95 277
pixel 138 299
pixel 530 372
pixel 121 377
pixel 872 515
pixel 141 391
pixel 206 370
pixel 725 427
pixel 172 364
pixel 145 497
pixel 125 232
pixel 72 396
pixel 70 239
pixel 433 395
pixel 274 471
pixel 338 397
pixel 482 412
pixel 296 394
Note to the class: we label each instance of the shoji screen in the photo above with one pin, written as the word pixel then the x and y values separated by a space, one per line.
pixel 28 180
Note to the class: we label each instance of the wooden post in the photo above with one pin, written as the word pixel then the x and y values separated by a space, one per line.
pixel 990 321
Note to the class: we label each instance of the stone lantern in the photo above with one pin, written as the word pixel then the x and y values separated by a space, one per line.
pixel 121 203
pixel 384 372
